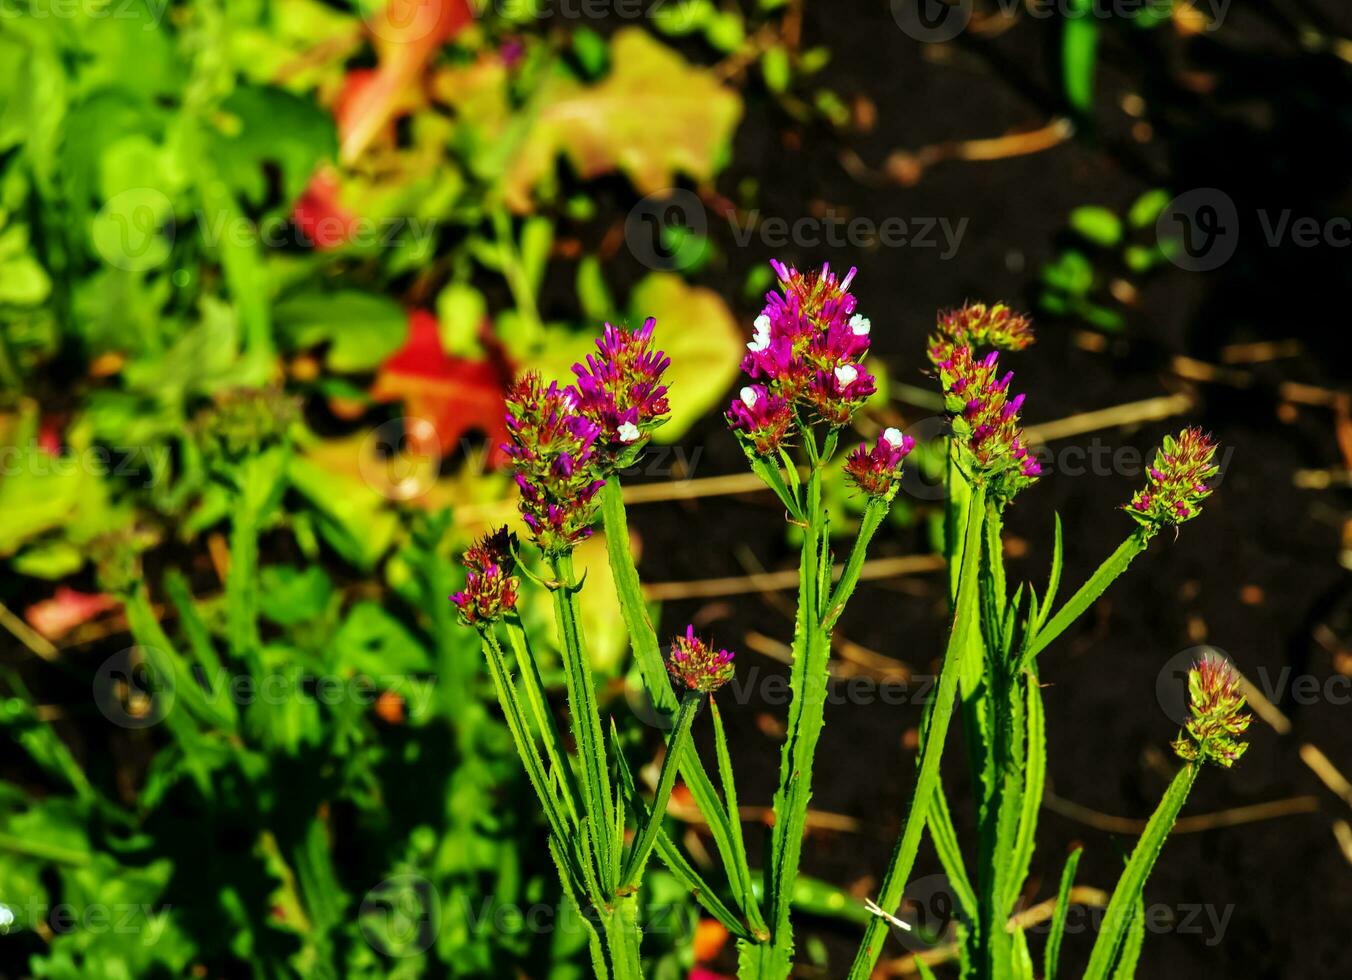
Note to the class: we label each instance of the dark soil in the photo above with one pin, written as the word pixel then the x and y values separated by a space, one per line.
pixel 1245 110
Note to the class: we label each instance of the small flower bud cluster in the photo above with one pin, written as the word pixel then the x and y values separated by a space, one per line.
pixel 490 589
pixel 553 456
pixel 1213 734
pixel 763 417
pixel 877 471
pixel 991 443
pixel 808 349
pixel 1176 482
pixel 696 665
pixel 620 387
pixel 977 325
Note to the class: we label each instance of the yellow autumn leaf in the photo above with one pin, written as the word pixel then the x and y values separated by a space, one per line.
pixel 653 117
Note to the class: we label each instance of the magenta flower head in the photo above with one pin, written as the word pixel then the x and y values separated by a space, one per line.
pixel 1213 733
pixel 697 666
pixel 977 325
pixel 992 447
pixel 620 388
pixel 1177 481
pixel 761 419
pixel 553 457
pixel 877 471
pixel 490 589
pixel 809 344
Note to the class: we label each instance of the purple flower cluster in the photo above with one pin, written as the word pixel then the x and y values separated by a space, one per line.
pixel 490 589
pixel 1215 731
pixel 986 426
pixel 808 348
pixel 555 462
pixel 977 325
pixel 696 665
pixel 620 387
pixel 877 471
pixel 1176 482
pixel 763 417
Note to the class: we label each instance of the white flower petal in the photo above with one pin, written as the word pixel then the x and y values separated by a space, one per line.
pixel 628 432
pixel 846 375
pixel 749 398
pixel 860 325
pixel 893 437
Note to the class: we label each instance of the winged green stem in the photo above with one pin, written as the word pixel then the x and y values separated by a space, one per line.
pixel 643 845
pixel 597 802
pixel 964 623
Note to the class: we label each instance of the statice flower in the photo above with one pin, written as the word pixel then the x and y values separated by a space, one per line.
pixel 809 344
pixel 762 418
pixel 620 387
pixel 877 471
pixel 1177 480
pixel 696 665
pixel 992 447
pixel 490 588
pixel 554 459
pixel 1213 733
pixel 977 325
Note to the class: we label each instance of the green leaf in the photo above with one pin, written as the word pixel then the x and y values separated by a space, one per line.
pixel 1097 224
pixel 461 312
pixel 1127 895
pixel 370 641
pixel 1131 946
pixel 775 69
pixel 289 596
pixel 261 125
pixel 1079 55
pixel 1052 953
pixel 362 329
pixel 1146 209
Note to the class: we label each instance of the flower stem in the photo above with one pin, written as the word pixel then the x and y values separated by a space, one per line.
pixel 591 746
pixel 1116 564
pixel 1127 894
pixel 965 620
pixel 648 654
pixel 643 845
pixel 875 512
pixel 807 681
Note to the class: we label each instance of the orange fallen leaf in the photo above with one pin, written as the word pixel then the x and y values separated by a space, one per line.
pixel 67 609
pixel 455 394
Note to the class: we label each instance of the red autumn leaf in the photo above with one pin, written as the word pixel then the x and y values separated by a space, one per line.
pixel 455 394
pixel 406 34
pixel 65 610
pixel 321 219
